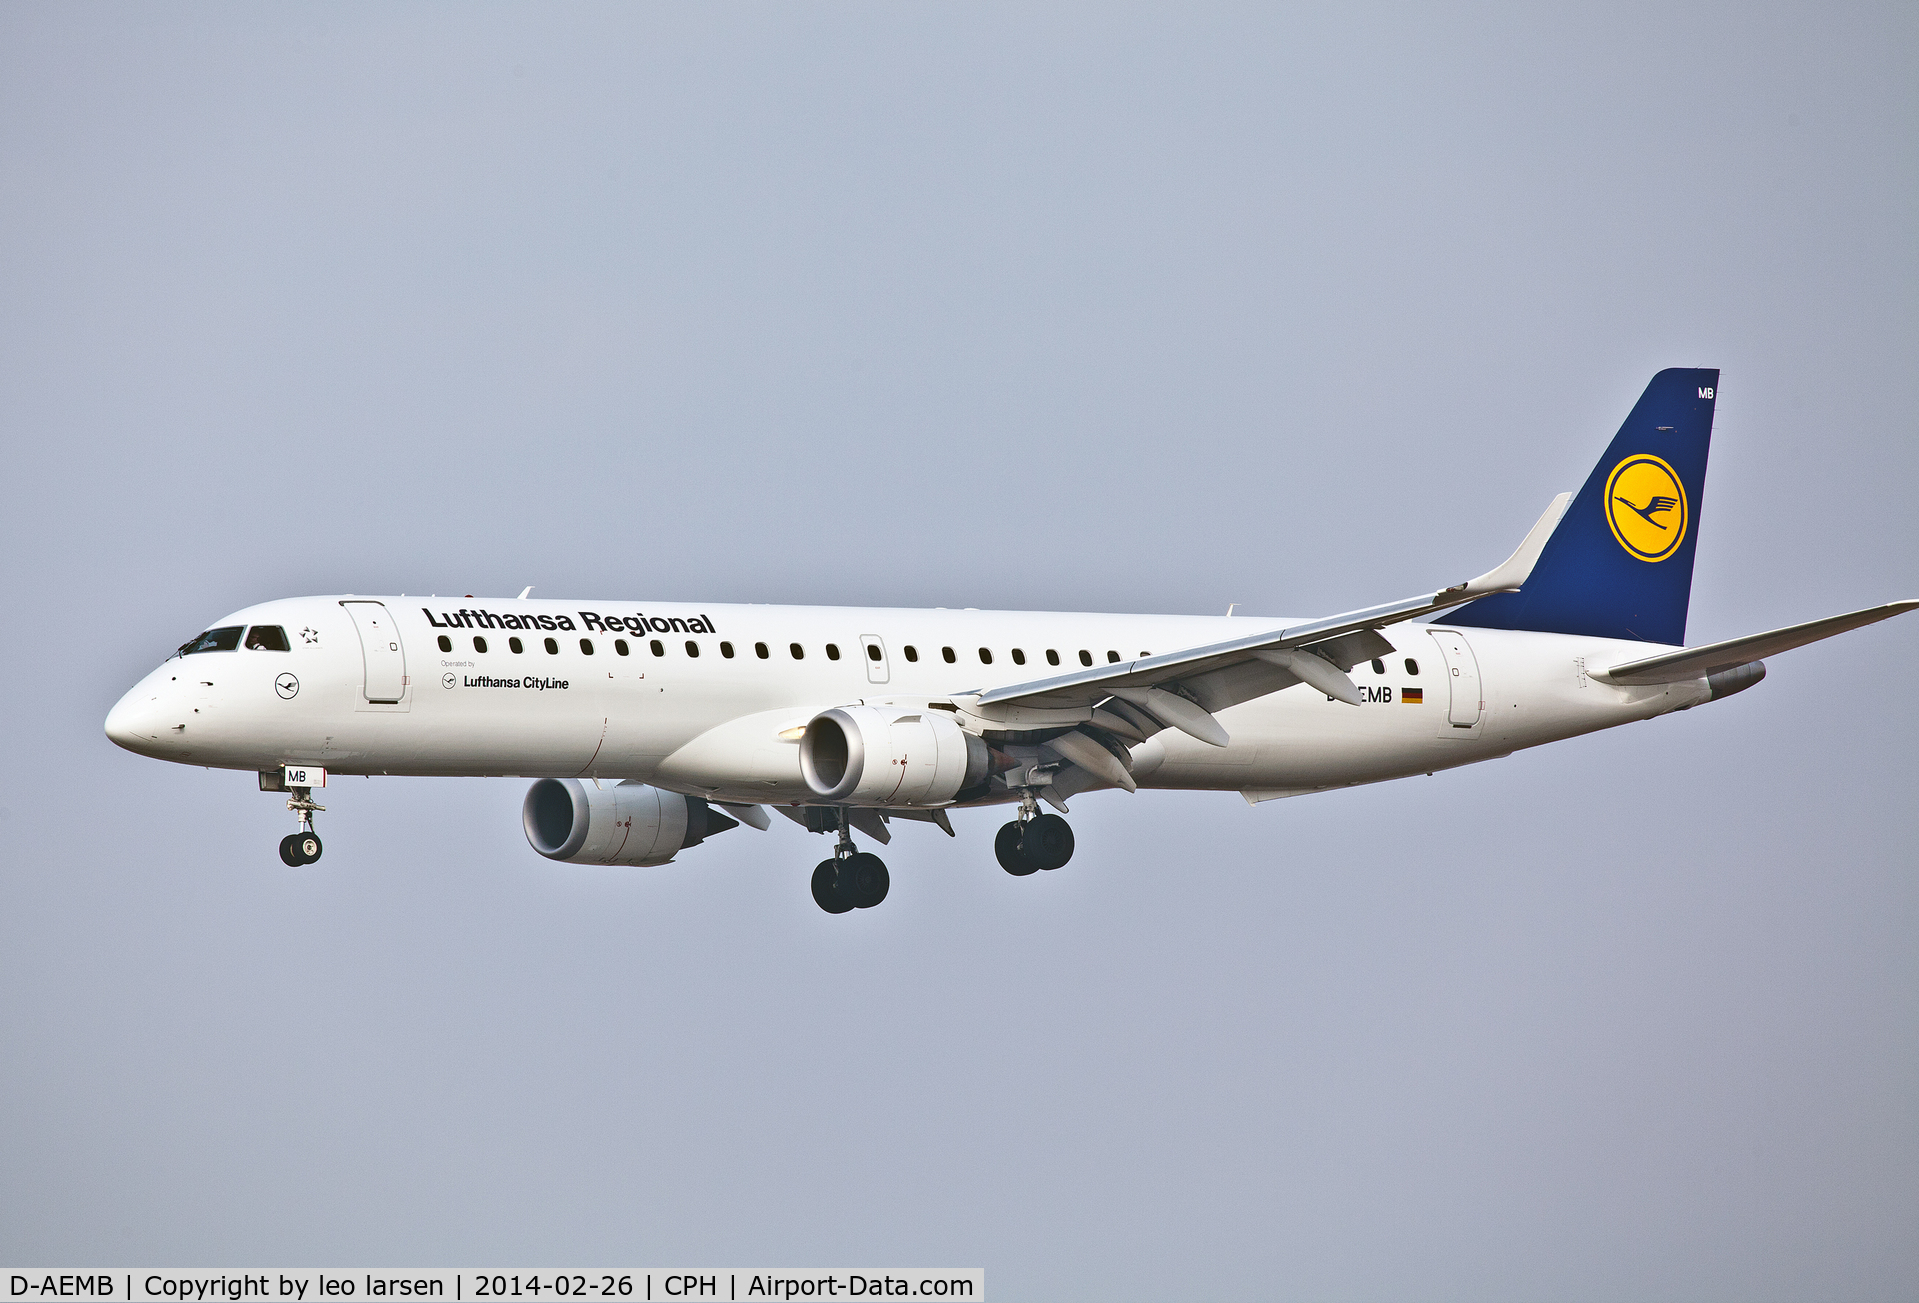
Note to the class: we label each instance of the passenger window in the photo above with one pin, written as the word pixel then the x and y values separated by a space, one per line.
pixel 799 652
pixel 1112 657
pixel 515 646
pixel 726 650
pixel 1019 657
pixel 692 648
pixel 619 646
pixel 1412 666
pixel 946 654
pixel 985 656
pixel 267 637
pixel 1379 666
pixel 657 647
pixel 586 646
pixel 479 644
pixel 759 650
pixel 832 651
pixel 872 651
pixel 552 647
pixel 446 643
pixel 213 640
pixel 912 652
pixel 1052 657
pixel 1085 657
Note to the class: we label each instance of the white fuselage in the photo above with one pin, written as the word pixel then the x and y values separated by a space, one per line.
pixel 724 726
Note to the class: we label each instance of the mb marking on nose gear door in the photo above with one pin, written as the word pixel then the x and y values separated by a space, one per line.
pixel 1467 704
pixel 386 680
pixel 874 650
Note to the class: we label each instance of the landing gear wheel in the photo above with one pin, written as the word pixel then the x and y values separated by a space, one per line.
pixel 301 848
pixel 826 888
pixel 1006 848
pixel 1042 842
pixel 1048 841
pixel 864 879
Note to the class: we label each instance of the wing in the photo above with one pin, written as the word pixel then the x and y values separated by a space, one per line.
pixel 1698 662
pixel 1182 689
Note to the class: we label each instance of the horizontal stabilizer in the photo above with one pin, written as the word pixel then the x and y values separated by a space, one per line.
pixel 1698 662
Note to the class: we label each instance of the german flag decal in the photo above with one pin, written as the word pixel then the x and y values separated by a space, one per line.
pixel 1413 696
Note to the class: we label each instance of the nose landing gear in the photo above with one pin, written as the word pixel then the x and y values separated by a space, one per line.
pixel 302 847
pixel 852 879
pixel 1033 841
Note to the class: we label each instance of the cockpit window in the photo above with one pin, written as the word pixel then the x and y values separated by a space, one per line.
pixel 267 637
pixel 213 640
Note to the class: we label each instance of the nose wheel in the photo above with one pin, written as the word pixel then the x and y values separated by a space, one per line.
pixel 302 847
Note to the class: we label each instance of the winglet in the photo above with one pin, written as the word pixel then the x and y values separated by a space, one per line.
pixel 1511 574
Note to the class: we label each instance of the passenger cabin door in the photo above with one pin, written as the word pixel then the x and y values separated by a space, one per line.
pixel 380 646
pixel 873 648
pixel 1468 700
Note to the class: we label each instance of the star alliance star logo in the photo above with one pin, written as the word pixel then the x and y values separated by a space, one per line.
pixel 309 635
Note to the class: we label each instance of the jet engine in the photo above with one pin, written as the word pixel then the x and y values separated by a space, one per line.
pixel 629 824
pixel 890 756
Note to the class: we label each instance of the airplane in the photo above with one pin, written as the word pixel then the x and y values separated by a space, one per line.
pixel 649 727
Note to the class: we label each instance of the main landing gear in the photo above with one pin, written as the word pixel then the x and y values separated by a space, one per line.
pixel 1033 841
pixel 852 879
pixel 302 847
pixel 855 879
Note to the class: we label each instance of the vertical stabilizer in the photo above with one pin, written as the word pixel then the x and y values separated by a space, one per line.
pixel 1620 563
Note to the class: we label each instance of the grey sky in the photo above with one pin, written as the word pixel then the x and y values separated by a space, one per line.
pixel 1103 308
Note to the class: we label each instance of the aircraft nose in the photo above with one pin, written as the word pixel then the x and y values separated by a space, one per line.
pixel 135 723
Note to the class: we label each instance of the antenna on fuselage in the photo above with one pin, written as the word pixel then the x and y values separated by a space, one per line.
pixel 523 593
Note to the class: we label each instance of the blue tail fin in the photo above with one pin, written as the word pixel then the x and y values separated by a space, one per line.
pixel 1620 563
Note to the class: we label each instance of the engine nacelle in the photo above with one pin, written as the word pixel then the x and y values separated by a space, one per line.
pixel 632 823
pixel 890 756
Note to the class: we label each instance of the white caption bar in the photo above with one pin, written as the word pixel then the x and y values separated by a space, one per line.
pixel 625 1285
